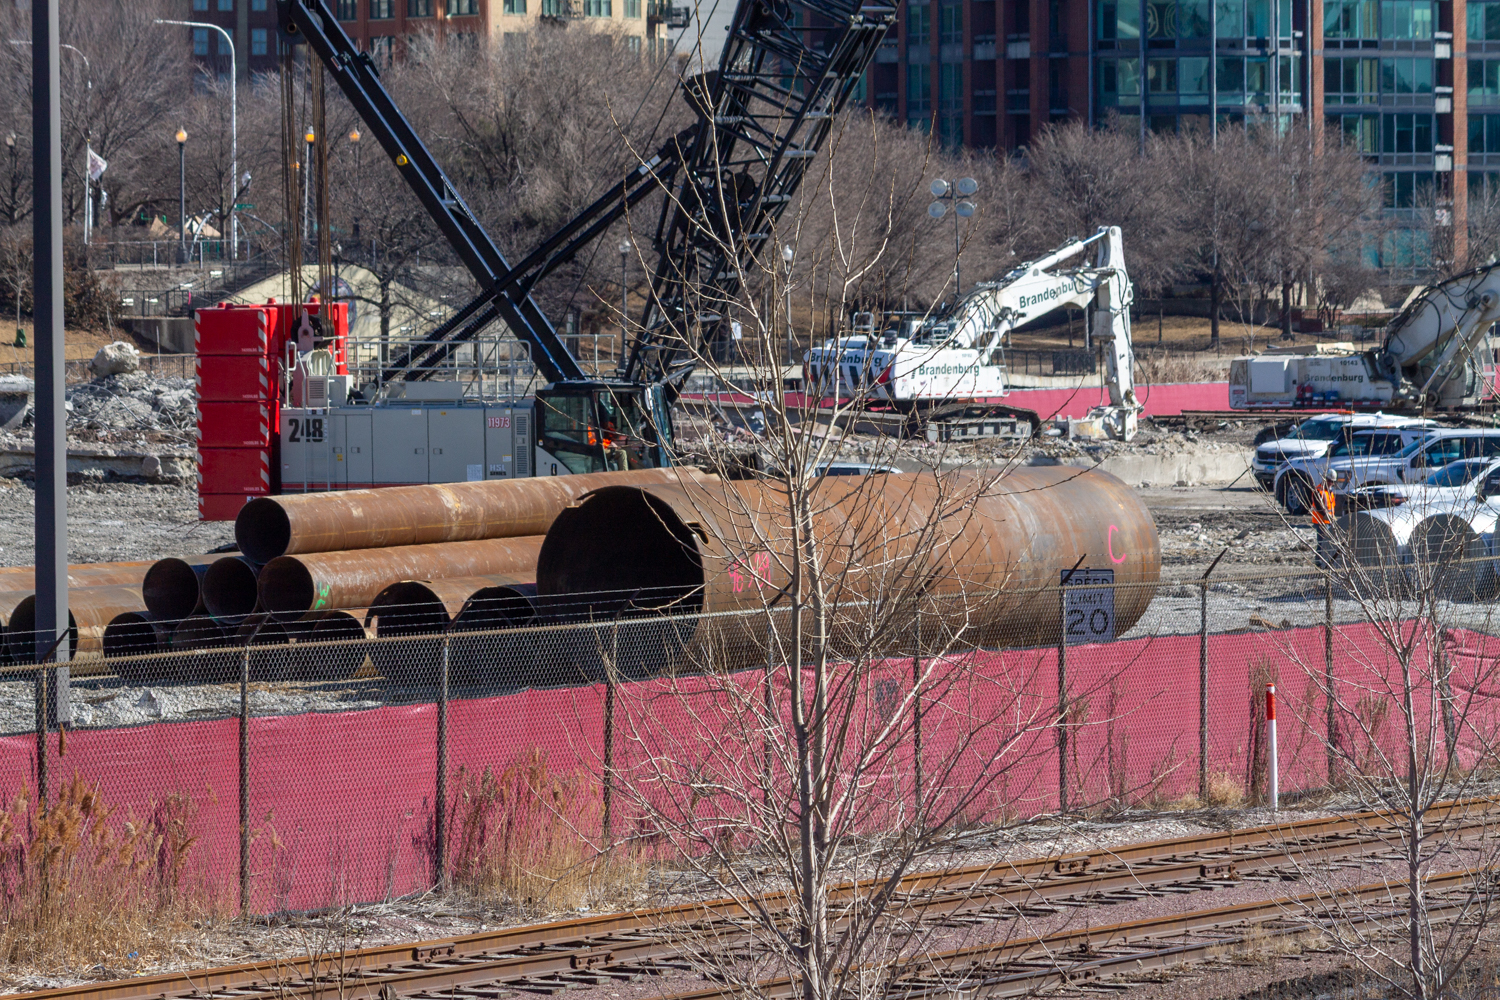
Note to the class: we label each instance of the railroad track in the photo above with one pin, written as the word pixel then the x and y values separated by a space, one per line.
pixel 550 958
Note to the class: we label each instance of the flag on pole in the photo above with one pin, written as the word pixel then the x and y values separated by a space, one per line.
pixel 97 166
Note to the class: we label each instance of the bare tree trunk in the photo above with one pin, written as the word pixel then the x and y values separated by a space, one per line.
pixel 1286 310
pixel 1215 301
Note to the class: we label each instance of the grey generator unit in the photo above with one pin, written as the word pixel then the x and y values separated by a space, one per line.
pixel 418 438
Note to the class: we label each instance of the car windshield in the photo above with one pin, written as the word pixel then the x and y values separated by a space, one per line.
pixel 1361 444
pixel 1320 429
pixel 1456 474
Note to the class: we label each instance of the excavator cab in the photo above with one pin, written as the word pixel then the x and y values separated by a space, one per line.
pixel 604 426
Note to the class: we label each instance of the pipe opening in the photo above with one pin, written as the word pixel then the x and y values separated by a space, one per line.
pixel 509 606
pixel 262 530
pixel 408 608
pixel 230 590
pixel 329 663
pixel 199 632
pixel 172 589
pixel 286 588
pixel 605 569
pixel 131 634
pixel 20 634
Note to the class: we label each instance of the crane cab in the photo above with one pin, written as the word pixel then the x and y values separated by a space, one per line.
pixel 601 427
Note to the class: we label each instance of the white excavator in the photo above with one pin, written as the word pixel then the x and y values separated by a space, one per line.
pixel 1433 358
pixel 947 373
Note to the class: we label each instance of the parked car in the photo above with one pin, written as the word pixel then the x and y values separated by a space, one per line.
pixel 1376 463
pixel 1293 485
pixel 1313 438
pixel 1455 482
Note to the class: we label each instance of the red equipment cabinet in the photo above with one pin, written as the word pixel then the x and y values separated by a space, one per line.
pixel 241 353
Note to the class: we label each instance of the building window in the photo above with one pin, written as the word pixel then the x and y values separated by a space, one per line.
pixel 226 5
pixel 633 44
pixel 1484 133
pixel 1405 248
pixel 200 41
pixel 1350 19
pixel 1258 19
pixel 348 10
pixel 1161 76
pixel 1406 19
pixel 919 90
pixel 1484 21
pixel 1231 72
pixel 598 8
pixel 382 10
pixel 1360 132
pixel 1119 82
pixel 1119 21
pixel 1484 81
pixel 418 8
pixel 951 19
pixel 257 4
pixel 951 87
pixel 1484 185
pixel 1350 81
pixel 1403 133
pixel 1192 80
pixel 463 8
pixel 1406 76
pixel 258 41
pixel 200 4
pixel 632 8
pixel 1257 81
pixel 918 24
pixel 1407 190
pixel 515 6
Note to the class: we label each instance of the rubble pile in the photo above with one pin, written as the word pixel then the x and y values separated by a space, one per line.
pixel 133 401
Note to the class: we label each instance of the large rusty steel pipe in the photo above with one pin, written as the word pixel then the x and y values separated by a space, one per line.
pixel 173 587
pixel 1451 551
pixel 81 575
pixel 292 586
pixel 982 549
pixel 268 527
pixel 327 646
pixel 229 589
pixel 133 633
pixel 90 610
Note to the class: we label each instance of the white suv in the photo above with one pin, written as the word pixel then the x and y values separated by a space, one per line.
pixel 1376 462
pixel 1295 479
pixel 1313 437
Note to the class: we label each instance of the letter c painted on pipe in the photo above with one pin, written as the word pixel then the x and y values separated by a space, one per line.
pixel 1110 544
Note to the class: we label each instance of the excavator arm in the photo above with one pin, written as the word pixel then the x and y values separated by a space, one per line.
pixel 1438 332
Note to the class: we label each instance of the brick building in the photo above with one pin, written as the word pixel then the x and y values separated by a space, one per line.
pixel 1414 84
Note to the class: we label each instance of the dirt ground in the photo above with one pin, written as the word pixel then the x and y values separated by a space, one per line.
pixel 77 344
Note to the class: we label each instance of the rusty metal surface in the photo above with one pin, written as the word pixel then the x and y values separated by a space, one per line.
pixel 90 610
pixel 199 632
pixel 268 527
pixel 726 546
pixel 291 586
pixel 134 633
pixel 81 575
pixel 329 645
pixel 172 587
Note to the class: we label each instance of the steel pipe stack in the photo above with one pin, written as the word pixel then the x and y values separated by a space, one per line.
pixel 90 612
pixel 268 527
pixel 1454 553
pixel 982 551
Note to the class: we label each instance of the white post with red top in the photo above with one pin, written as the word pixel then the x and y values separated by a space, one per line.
pixel 1271 743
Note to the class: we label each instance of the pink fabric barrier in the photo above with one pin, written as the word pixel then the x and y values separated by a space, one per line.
pixel 341 803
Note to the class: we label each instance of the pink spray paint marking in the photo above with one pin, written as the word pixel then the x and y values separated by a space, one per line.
pixel 1110 543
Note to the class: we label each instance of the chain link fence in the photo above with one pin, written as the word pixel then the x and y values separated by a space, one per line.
pixel 307 773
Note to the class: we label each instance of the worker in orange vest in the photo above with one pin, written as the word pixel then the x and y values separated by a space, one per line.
pixel 1324 505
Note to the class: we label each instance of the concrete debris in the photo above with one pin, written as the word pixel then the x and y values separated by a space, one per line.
pixel 133 401
pixel 15 400
pixel 118 358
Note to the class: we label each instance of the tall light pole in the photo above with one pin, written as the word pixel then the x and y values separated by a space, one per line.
pixel 234 130
pixel 787 255
pixel 88 135
pixel 624 249
pixel 945 192
pixel 181 195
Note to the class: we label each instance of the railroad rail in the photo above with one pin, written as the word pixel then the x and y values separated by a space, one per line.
pixel 548 958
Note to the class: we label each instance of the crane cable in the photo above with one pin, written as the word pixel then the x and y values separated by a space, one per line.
pixel 291 171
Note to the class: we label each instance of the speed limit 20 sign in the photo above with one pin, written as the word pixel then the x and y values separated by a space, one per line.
pixel 1088 606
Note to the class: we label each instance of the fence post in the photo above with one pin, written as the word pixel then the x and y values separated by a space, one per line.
pixel 245 778
pixel 440 796
pixel 609 753
pixel 916 717
pixel 1062 694
pixel 1203 678
pixel 1328 675
pixel 40 698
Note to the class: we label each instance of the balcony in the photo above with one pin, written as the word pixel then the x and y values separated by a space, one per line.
pixel 662 12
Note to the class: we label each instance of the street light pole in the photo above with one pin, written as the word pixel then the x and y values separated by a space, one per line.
pixel 88 135
pixel 945 192
pixel 181 195
pixel 234 130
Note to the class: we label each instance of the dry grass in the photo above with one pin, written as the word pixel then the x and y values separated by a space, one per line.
pixel 528 836
pixel 80 887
